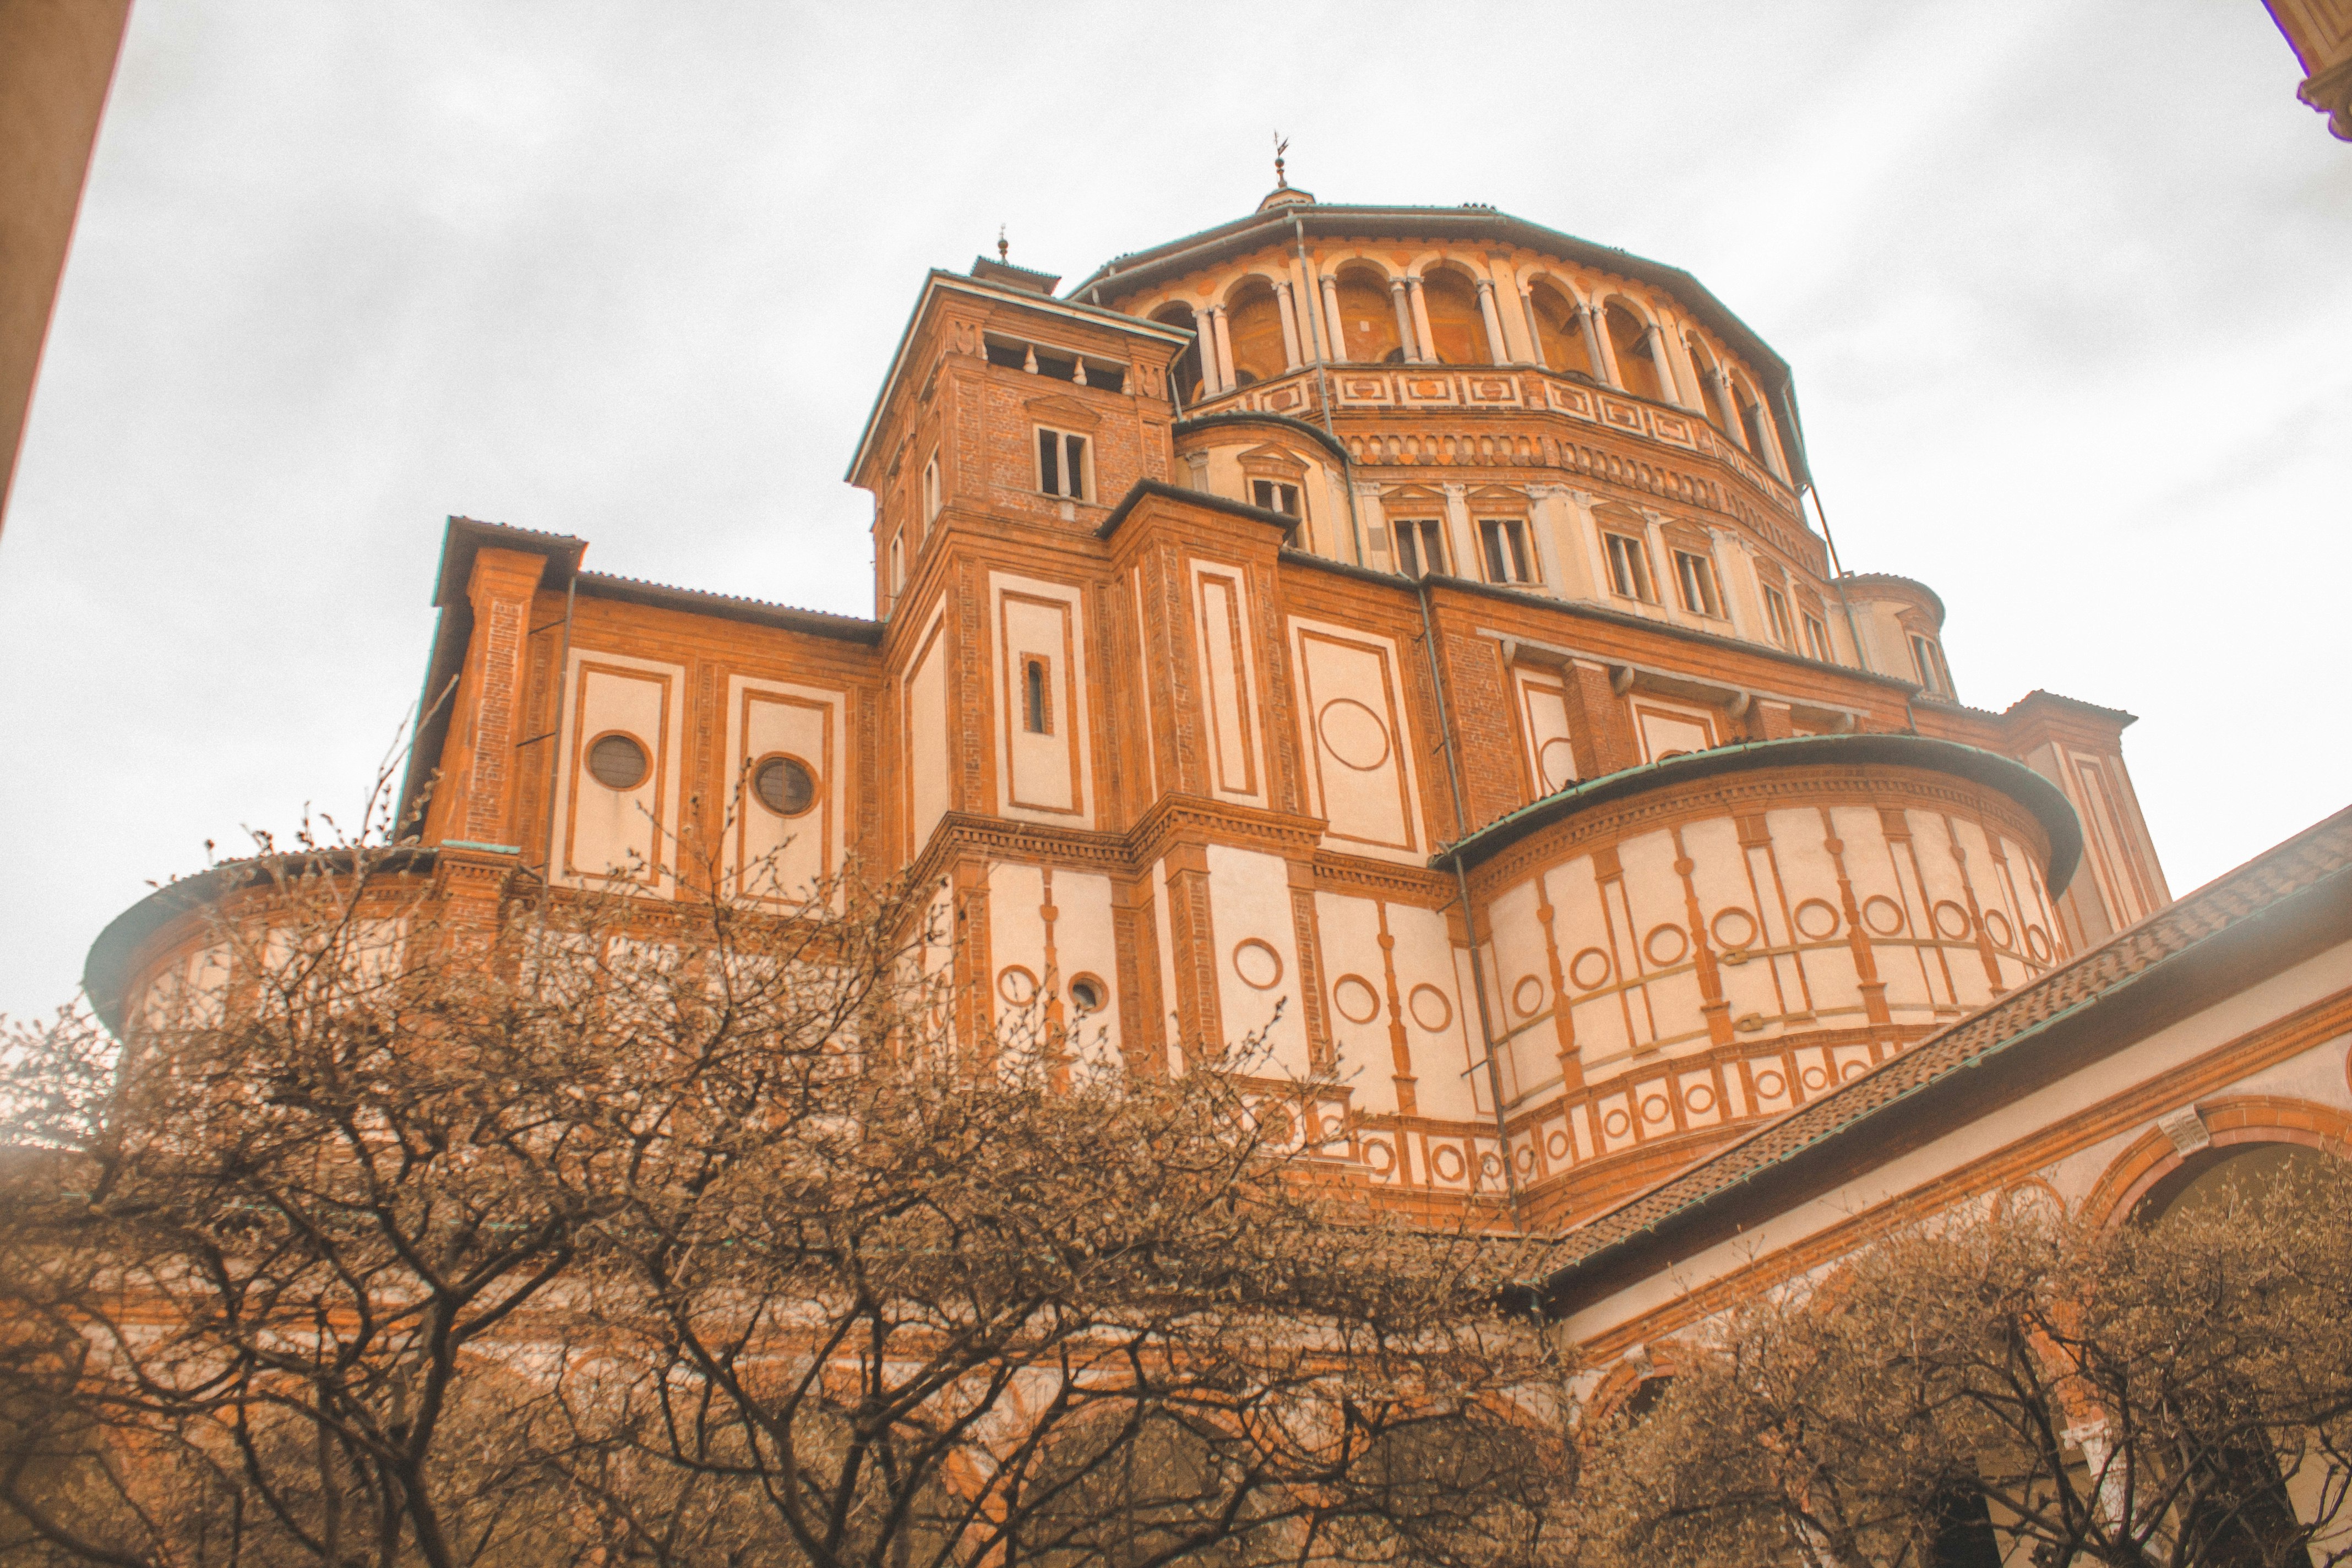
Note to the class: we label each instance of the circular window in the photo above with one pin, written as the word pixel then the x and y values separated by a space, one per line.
pixel 785 786
pixel 617 761
pixel 1086 993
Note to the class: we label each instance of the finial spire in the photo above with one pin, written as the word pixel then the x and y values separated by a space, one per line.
pixel 1281 145
pixel 1003 246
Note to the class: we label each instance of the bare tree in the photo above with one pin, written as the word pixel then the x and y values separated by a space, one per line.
pixel 2005 1384
pixel 407 1228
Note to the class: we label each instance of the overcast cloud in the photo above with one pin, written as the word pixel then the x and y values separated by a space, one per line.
pixel 2067 288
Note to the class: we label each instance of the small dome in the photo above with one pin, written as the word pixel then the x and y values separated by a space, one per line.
pixel 1284 196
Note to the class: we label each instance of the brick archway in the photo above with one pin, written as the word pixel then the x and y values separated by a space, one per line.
pixel 2232 1121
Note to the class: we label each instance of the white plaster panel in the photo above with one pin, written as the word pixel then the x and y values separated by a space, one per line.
pixel 1044 776
pixel 1228 683
pixel 1446 1063
pixel 1249 902
pixel 1361 777
pixel 623 839
pixel 770 856
pixel 1351 933
pixel 927 739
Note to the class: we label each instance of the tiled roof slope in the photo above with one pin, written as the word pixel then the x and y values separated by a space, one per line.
pixel 2300 864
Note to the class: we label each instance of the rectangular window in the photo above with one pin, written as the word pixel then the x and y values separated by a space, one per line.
pixel 1817 640
pixel 1504 542
pixel 1036 694
pixel 1062 464
pixel 1274 496
pixel 897 564
pixel 1420 546
pixel 1776 618
pixel 1933 674
pixel 930 489
pixel 1696 575
pixel 1629 567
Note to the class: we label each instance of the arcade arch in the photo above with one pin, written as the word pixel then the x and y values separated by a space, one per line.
pixel 1368 316
pixel 1457 330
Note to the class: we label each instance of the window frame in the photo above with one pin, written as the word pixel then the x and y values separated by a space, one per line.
pixel 1502 536
pixel 1296 511
pixel 1628 556
pixel 1817 644
pixel 1777 619
pixel 1062 442
pixel 932 500
pixel 1419 531
pixel 1694 578
pixel 1036 694
pixel 1935 674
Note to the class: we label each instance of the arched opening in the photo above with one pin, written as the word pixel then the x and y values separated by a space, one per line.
pixel 1456 330
pixel 1751 419
pixel 1253 326
pixel 1715 393
pixel 1559 333
pixel 1637 373
pixel 1368 318
pixel 1184 375
pixel 2244 1516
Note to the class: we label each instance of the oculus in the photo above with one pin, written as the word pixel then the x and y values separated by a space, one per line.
pixel 618 762
pixel 785 786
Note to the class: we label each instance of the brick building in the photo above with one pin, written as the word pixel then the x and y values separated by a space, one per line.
pixel 1399 629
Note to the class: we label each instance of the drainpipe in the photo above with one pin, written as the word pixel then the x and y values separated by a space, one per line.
pixel 1469 919
pixel 1323 385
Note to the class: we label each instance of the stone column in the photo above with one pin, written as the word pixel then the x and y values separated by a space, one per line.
pixel 1224 350
pixel 1604 353
pixel 1337 345
pixel 1496 348
pixel 1535 330
pixel 1404 321
pixel 1428 354
pixel 1655 341
pixel 1292 353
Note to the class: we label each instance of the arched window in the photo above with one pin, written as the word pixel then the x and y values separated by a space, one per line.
pixel 1185 373
pixel 1253 326
pixel 1751 420
pixel 1457 329
pixel 1714 391
pixel 1036 709
pixel 1368 318
pixel 1559 333
pixel 1629 336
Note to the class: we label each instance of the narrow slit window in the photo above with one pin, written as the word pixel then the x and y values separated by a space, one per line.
pixel 1420 547
pixel 930 489
pixel 1696 574
pixel 1036 690
pixel 1504 542
pixel 1933 674
pixel 897 564
pixel 1775 615
pixel 1629 567
pixel 1817 640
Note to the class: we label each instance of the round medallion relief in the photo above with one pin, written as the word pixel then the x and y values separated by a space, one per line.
pixel 1854 1069
pixel 1815 1078
pixel 1447 1161
pixel 1699 1098
pixel 1616 1124
pixel 1353 733
pixel 1817 919
pixel 1883 915
pixel 1379 1157
pixel 1430 1008
pixel 1016 985
pixel 1257 964
pixel 1527 995
pixel 1665 944
pixel 1951 920
pixel 1556 1144
pixel 1355 1000
pixel 1996 927
pixel 1590 969
pixel 1733 927
pixel 1771 1085
pixel 1655 1107
pixel 2037 944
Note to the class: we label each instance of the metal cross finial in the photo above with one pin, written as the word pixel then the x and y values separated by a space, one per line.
pixel 1003 246
pixel 1281 145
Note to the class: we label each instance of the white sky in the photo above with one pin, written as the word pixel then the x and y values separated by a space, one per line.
pixel 2067 288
